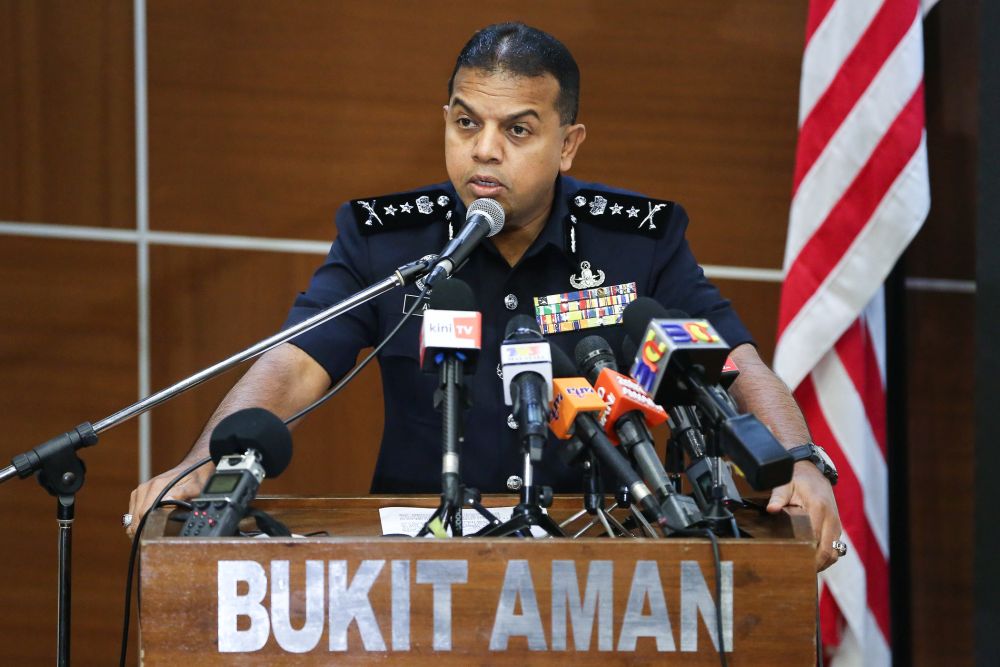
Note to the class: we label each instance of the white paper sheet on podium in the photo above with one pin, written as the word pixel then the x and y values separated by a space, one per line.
pixel 409 520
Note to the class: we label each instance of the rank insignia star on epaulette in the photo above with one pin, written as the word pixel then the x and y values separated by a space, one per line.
pixel 624 213
pixel 399 211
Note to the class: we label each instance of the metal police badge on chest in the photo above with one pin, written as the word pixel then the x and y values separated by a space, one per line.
pixel 583 309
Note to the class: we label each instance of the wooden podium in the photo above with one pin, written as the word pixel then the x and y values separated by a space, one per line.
pixel 358 598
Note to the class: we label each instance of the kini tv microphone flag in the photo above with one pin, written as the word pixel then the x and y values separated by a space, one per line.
pixel 450 339
pixel 451 324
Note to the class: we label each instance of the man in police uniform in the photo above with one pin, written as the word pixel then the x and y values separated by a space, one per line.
pixel 571 254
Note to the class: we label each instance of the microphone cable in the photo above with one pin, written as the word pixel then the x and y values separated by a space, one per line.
pixel 133 553
pixel 364 362
pixel 159 502
pixel 717 559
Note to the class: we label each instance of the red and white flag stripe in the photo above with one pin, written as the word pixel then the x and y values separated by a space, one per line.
pixel 860 194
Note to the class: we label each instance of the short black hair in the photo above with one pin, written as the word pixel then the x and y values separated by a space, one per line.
pixel 524 51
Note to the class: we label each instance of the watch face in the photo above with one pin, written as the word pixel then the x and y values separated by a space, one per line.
pixel 826 457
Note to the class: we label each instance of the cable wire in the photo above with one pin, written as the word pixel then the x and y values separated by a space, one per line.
pixel 357 369
pixel 159 502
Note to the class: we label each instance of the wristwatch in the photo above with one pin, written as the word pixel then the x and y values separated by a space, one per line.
pixel 818 456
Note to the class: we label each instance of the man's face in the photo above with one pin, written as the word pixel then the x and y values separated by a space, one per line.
pixel 503 139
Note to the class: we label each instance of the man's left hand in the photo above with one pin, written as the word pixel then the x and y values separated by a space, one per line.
pixel 812 492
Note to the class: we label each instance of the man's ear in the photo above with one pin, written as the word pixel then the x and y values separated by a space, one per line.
pixel 446 109
pixel 574 136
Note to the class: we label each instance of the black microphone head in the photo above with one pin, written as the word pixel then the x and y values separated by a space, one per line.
pixel 637 315
pixel 452 294
pixel 523 328
pixel 257 429
pixel 562 366
pixel 629 350
pixel 491 210
pixel 594 354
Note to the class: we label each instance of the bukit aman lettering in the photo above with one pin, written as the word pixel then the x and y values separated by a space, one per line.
pixel 582 615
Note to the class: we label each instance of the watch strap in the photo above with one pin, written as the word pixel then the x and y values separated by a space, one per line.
pixel 811 452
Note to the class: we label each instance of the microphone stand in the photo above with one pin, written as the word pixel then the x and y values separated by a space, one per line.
pixel 716 514
pixel 61 472
pixel 451 397
pixel 528 512
pixel 593 501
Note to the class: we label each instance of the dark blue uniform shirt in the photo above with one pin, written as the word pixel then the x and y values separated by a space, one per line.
pixel 616 231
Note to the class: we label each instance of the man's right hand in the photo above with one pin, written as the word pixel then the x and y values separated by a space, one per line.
pixel 284 380
pixel 143 496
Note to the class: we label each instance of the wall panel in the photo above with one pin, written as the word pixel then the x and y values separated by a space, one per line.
pixel 266 126
pixel 265 116
pixel 941 478
pixel 66 122
pixel 209 304
pixel 68 354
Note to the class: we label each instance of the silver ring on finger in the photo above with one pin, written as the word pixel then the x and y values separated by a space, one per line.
pixel 126 520
pixel 840 547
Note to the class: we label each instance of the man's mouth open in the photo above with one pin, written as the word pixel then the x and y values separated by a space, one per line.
pixel 485 186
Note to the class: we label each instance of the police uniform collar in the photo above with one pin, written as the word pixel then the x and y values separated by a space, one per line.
pixel 554 233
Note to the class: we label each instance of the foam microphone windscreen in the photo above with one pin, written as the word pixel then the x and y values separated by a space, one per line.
pixel 452 294
pixel 629 350
pixel 257 429
pixel 593 354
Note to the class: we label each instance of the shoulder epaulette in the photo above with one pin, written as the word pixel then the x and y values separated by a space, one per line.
pixel 619 212
pixel 402 210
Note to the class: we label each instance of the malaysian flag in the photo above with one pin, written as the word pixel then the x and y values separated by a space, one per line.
pixel 860 195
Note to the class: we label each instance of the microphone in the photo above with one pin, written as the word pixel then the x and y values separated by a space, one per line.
pixel 526 361
pixel 680 361
pixel 730 371
pixel 484 218
pixel 629 413
pixel 629 410
pixel 450 339
pixel 704 472
pixel 246 447
pixel 451 326
pixel 575 408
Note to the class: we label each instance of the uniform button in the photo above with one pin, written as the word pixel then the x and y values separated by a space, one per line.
pixel 511 422
pixel 510 301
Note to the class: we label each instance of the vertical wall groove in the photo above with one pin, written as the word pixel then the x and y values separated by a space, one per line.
pixel 142 227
